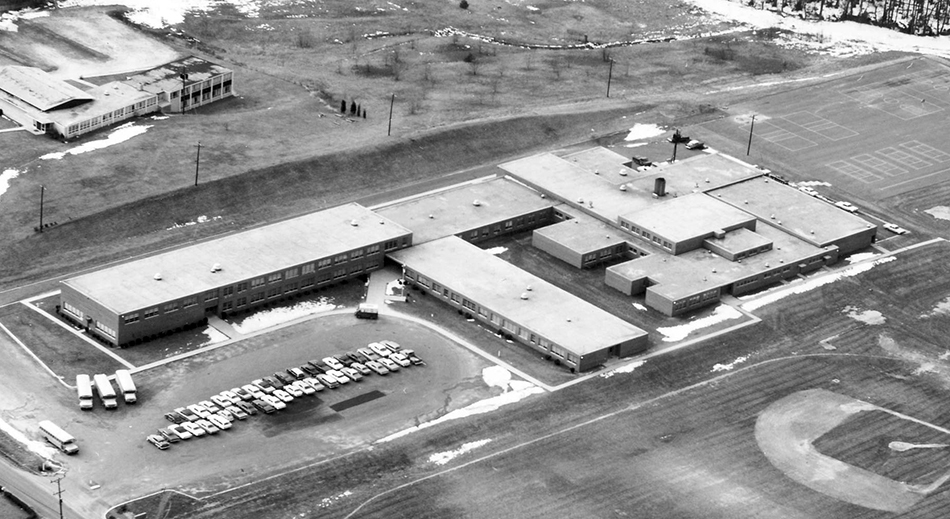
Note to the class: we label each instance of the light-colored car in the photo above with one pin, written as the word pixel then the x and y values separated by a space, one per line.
pixel 179 431
pixel 305 387
pixel 224 413
pixel 338 375
pixel 400 359
pixel 221 401
pixel 368 353
pixel 208 427
pixel 332 362
pixel 243 394
pixel 199 410
pixel 193 428
pixel 293 390
pixel 210 407
pixel 263 386
pixel 237 412
pixel 847 206
pixel 231 395
pixel 254 390
pixel 808 190
pixel 158 441
pixel 283 396
pixel 695 145
pixel 352 374
pixel 895 229
pixel 359 366
pixel 328 381
pixel 314 383
pixel 220 422
pixel 388 364
pixel 274 401
pixel 377 368
pixel 393 346
pixel 379 349
pixel 413 358
pixel 189 415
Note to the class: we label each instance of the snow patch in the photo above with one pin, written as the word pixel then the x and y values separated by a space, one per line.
pixel 730 366
pixel 941 308
pixel 813 183
pixel 628 368
pixel 926 367
pixel 858 258
pixel 441 458
pixel 640 307
pixel 496 250
pixel 871 317
pixel 644 131
pixel 119 135
pixel 158 117
pixel 680 332
pixel 214 336
pixel 395 287
pixel 283 314
pixel 497 376
pixel 41 448
pixel 196 221
pixel 6 177
pixel 813 283
pixel 327 501
pixel 941 212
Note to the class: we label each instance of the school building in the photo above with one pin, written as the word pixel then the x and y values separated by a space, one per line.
pixel 153 296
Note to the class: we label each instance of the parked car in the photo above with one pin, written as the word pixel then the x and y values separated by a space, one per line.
pixel 379 349
pixel 220 422
pixel 208 427
pixel 274 401
pixel 243 394
pixel 413 358
pixel 189 415
pixel 352 374
pixel 847 206
pixel 169 436
pixel 260 386
pixel 359 366
pixel 367 354
pixel 392 345
pixel 209 406
pixel 328 381
pixel 319 366
pixel 338 375
pixel 305 387
pixel 283 396
pixel 284 378
pixel 263 406
pixel 193 428
pixel 695 145
pixel 314 383
pixel 377 368
pixel 236 412
pixel 199 410
pixel 297 373
pixel 353 357
pixel 175 418
pixel 400 359
pixel 808 190
pixel 157 441
pixel 224 413
pixel 220 401
pixel 310 370
pixel 388 364
pixel 292 390
pixel 230 395
pixel 180 431
pixel 247 407
pixel 332 362
pixel 895 229
pixel 274 383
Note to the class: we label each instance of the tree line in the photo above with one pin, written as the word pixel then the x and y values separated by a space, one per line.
pixel 921 17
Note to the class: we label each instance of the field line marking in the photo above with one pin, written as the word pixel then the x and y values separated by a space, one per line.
pixel 474 181
pixel 95 344
pixel 631 407
pixel 37 359
pixel 895 184
pixel 42 296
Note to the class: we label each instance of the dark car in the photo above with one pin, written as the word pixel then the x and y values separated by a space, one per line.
pixel 319 366
pixel 353 357
pixel 274 382
pixel 263 406
pixel 344 359
pixel 169 436
pixel 310 370
pixel 175 418
pixel 247 407
pixel 284 378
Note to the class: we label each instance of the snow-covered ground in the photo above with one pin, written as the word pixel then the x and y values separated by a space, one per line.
pixel 283 314
pixel 644 131
pixel 940 212
pixel 441 458
pixel 496 250
pixel 872 317
pixel 120 134
pixel 6 177
pixel 628 368
pixel 41 448
pixel 730 366
pixel 680 332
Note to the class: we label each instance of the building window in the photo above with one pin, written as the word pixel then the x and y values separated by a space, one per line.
pixel 211 294
pixel 226 306
pixel 372 249
pixel 274 292
pixel 508 225
pixel 356 269
pixel 292 287
pixel 307 269
pixel 227 291
pixel 455 298
pixel 274 278
pixel 323 278
pixel 473 234
pixel 257 282
pixel 105 329
pixel 190 301
pixel 391 244
pixel 484 313
pixel 436 287
pixel 242 286
pixel 324 263
pixel 170 307
pixel 307 282
pixel 341 273
pixel 340 259
pixel 423 281
pixel 358 253
pixel 468 304
pixel 72 310
pixel 131 318
pixel 292 273
pixel 257 297
pixel 151 312
pixel 241 301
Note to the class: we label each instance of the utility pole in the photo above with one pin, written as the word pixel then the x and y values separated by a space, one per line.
pixel 181 99
pixel 59 493
pixel 197 162
pixel 392 101
pixel 42 192
pixel 675 144
pixel 610 73
pixel 751 127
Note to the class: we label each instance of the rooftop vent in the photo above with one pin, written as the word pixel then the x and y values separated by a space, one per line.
pixel 354 223
pixel 813 232
pixel 476 203
pixel 707 180
pixel 568 319
pixel 580 200
pixel 778 222
pixel 659 186
pixel 772 216
pixel 431 217
pixel 524 295
pixel 528 288
pixel 623 172
pixel 216 267
pixel 543 195
pixel 157 276
pixel 596 171
pixel 746 202
pixel 714 271
pixel 623 187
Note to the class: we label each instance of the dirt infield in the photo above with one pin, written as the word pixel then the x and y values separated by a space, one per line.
pixel 786 430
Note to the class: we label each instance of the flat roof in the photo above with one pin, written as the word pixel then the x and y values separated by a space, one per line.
pixel 600 160
pixel 799 213
pixel 584 234
pixel 700 269
pixel 167 77
pixel 698 173
pixel 739 240
pixel 39 89
pixel 107 98
pixel 685 217
pixel 453 211
pixel 242 256
pixel 495 284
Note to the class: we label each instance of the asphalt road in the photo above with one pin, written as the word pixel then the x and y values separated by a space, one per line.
pixel 36 492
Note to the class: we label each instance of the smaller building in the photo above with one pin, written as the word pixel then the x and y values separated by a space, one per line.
pixel 584 242
pixel 185 84
pixel 518 304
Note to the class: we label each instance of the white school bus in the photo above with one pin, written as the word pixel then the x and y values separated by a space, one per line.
pixel 84 390
pixel 58 437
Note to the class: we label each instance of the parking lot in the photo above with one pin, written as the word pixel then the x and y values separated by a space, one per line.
pixel 114 452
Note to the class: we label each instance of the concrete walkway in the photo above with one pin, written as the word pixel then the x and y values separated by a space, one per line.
pixel 224 327
pixel 376 289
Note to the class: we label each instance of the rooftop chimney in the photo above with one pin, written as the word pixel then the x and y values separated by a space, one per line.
pixel 659 186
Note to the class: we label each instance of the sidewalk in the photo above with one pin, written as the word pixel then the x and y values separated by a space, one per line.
pixel 224 327
pixel 378 281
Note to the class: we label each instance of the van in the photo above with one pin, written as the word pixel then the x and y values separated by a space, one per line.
pixel 58 437
pixel 367 311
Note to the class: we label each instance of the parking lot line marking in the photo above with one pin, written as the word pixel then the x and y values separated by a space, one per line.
pixel 37 359
pixel 95 344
